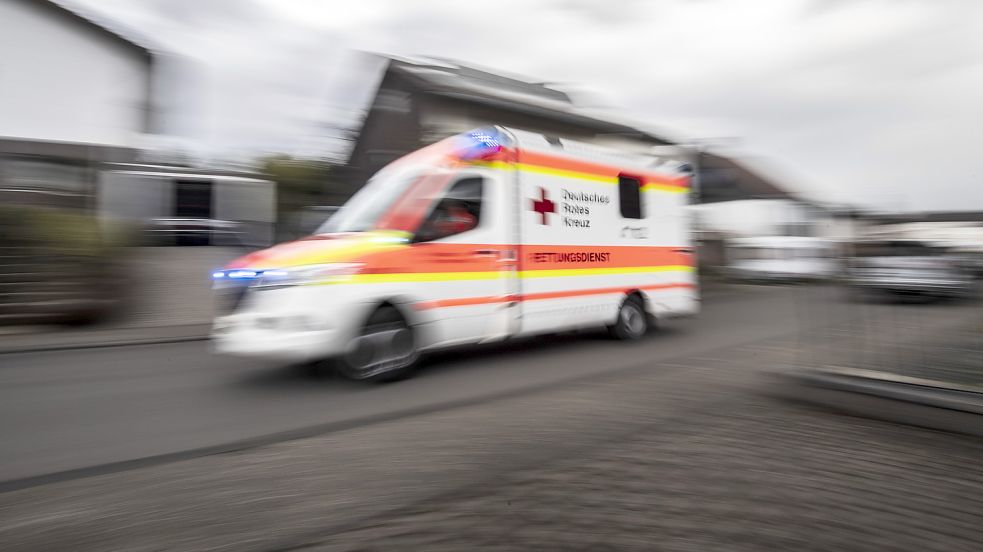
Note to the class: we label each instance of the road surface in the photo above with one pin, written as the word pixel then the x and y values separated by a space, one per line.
pixel 74 410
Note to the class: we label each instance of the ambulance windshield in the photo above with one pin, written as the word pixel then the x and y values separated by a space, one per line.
pixel 362 212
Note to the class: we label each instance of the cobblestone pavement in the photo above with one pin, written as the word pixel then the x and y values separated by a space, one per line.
pixel 901 339
pixel 752 474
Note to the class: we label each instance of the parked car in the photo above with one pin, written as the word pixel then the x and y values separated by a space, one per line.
pixel 909 267
pixel 971 257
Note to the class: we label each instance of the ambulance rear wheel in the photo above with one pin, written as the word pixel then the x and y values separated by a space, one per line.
pixel 632 322
pixel 384 350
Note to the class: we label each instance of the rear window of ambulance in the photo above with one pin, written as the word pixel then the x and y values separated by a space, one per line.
pixel 630 196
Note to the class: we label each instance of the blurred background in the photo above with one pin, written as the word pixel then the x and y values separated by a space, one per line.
pixel 144 143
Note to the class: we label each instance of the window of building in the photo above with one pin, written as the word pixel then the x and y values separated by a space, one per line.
pixel 458 211
pixel 43 174
pixel 630 196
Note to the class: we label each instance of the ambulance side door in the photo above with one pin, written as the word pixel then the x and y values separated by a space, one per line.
pixel 466 239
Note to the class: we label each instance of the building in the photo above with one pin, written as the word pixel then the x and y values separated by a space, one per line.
pixel 74 94
pixel 419 102
pixel 78 103
pixel 68 79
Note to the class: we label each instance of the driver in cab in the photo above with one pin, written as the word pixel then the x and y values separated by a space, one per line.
pixel 452 217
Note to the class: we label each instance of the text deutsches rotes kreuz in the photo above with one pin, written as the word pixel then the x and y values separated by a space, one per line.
pixel 575 207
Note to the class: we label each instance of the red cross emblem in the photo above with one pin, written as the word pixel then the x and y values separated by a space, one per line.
pixel 543 206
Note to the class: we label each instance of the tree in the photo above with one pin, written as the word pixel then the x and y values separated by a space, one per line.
pixel 301 183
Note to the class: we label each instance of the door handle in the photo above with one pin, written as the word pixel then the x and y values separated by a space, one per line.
pixel 486 252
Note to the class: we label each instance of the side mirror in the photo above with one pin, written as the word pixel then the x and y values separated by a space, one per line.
pixel 425 233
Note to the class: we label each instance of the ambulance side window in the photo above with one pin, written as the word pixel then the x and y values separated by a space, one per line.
pixel 630 197
pixel 459 210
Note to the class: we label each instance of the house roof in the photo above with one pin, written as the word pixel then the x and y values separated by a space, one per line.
pixel 724 179
pixel 98 25
pixel 452 79
pixel 450 74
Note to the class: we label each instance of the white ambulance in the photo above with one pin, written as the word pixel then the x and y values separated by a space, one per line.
pixel 484 236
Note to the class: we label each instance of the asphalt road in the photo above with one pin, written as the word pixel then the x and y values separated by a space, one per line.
pixel 71 410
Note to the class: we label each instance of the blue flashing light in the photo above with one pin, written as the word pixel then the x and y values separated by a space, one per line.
pixel 481 143
pixel 218 275
pixel 486 139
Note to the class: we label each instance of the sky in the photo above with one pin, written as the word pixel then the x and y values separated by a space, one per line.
pixel 876 103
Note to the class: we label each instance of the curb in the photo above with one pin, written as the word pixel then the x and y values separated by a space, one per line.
pixel 895 398
pixel 98 339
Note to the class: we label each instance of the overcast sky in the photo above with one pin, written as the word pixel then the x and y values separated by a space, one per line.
pixel 873 102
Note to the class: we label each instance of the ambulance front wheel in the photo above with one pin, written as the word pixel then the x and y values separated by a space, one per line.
pixel 632 322
pixel 384 350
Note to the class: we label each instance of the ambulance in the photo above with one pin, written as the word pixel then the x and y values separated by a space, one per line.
pixel 485 236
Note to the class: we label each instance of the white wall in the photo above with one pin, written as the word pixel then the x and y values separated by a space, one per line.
pixel 770 217
pixel 752 217
pixel 62 81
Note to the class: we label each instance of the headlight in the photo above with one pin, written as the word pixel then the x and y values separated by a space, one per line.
pixel 283 277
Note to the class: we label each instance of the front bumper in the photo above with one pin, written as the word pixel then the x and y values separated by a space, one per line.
pixel 290 324
pixel 275 337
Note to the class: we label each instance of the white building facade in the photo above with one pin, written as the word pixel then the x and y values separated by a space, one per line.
pixel 771 217
pixel 66 79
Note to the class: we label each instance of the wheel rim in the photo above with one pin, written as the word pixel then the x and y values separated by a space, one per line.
pixel 381 348
pixel 633 319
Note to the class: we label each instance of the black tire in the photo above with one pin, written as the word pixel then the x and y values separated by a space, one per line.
pixel 632 322
pixel 385 349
